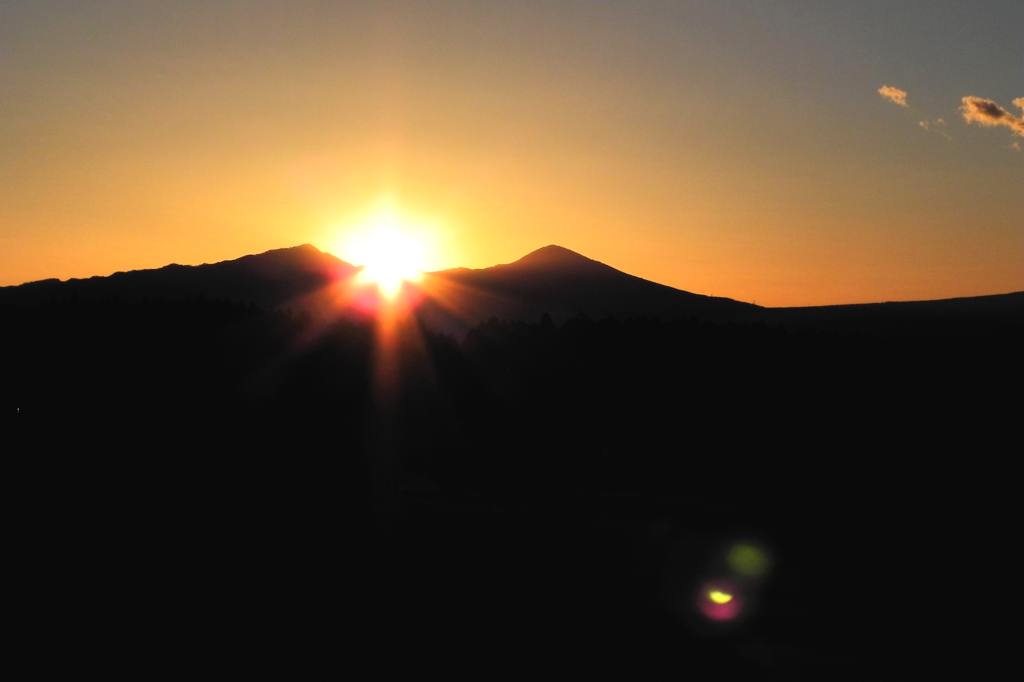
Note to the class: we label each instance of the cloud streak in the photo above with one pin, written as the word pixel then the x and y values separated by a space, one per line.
pixel 937 126
pixel 894 95
pixel 988 113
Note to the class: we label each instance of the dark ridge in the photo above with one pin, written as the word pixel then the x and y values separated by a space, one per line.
pixel 965 300
pixel 267 279
pixel 963 315
pixel 551 280
pixel 559 282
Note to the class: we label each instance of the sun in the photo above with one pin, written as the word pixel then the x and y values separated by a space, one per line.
pixel 389 247
pixel 389 258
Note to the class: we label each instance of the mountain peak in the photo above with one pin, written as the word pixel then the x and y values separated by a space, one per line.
pixel 555 256
pixel 300 251
pixel 302 257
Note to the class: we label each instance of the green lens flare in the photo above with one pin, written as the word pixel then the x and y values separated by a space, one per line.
pixel 748 560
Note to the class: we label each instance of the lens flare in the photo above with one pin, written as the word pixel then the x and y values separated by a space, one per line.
pixel 748 560
pixel 719 597
pixel 720 601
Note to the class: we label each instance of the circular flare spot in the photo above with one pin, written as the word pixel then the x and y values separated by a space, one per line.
pixel 748 560
pixel 720 601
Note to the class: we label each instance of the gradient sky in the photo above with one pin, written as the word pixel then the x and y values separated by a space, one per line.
pixel 732 148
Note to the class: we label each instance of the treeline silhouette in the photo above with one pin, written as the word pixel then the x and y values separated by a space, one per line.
pixel 530 482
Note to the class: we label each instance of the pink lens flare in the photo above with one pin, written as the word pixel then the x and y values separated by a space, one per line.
pixel 720 601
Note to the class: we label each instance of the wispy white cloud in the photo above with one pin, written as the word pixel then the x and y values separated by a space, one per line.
pixel 894 94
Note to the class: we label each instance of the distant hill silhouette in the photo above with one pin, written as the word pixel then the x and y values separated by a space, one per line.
pixel 552 280
pixel 270 279
pixel 962 314
pixel 563 284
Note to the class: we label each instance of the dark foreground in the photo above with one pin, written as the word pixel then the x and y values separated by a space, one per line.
pixel 210 487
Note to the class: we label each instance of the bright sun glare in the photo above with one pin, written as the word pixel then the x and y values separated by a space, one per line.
pixel 390 249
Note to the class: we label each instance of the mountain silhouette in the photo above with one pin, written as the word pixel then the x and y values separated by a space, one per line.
pixel 895 314
pixel 552 280
pixel 278 277
pixel 559 282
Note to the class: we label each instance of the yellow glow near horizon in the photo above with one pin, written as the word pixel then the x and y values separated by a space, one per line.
pixel 719 597
pixel 391 247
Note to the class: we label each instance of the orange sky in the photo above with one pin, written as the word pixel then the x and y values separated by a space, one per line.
pixel 743 157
